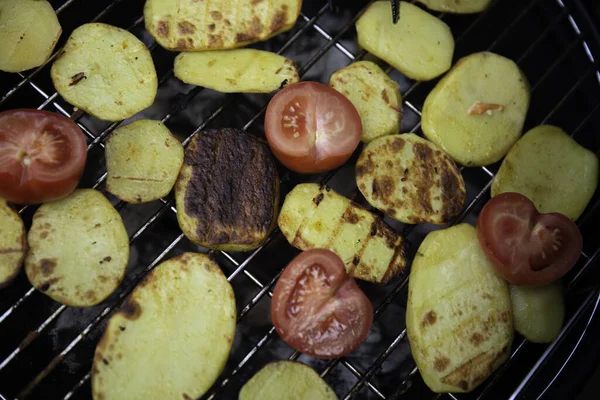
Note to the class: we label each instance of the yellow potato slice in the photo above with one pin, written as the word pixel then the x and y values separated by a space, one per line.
pixel 551 169
pixel 172 336
pixel 29 30
pixel 476 112
pixel 142 161
pixel 457 6
pixel 78 249
pixel 419 45
pixel 375 95
pixel 458 317
pixel 235 71
pixel 105 71
pixel 13 243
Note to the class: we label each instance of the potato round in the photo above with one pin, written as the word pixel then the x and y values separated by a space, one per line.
pixel 458 317
pixel 105 71
pixel 286 380
pixel 410 179
pixel 171 337
pixel 457 6
pixel 375 95
pixel 29 30
pixel 551 169
pixel 142 161
pixel 476 112
pixel 78 249
pixel 13 243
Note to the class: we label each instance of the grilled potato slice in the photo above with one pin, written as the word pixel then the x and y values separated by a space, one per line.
pixel 551 169
pixel 235 71
pixel 476 112
pixel 314 217
pixel 29 30
pixel 227 192
pixel 458 7
pixel 142 161
pixel 375 95
pixel 458 316
pixel 419 45
pixel 78 249
pixel 171 337
pixel 278 380
pixel 192 25
pixel 12 243
pixel 410 179
pixel 105 71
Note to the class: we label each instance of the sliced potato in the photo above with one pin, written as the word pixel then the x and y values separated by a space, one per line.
pixel 78 249
pixel 457 6
pixel 410 179
pixel 539 312
pixel 192 25
pixel 419 45
pixel 285 380
pixel 13 243
pixel 29 30
pixel 476 112
pixel 236 71
pixel 142 161
pixel 105 71
pixel 458 316
pixel 172 336
pixel 314 217
pixel 375 95
pixel 551 169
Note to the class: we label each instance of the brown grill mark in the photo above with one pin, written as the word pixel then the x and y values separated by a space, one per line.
pixel 350 216
pixel 47 266
pixel 317 200
pixel 383 187
pixel 397 145
pixel 211 27
pixel 474 371
pixel 186 28
pixel 46 285
pixel 384 96
pixel 429 319
pixel 487 296
pixel 131 309
pixel 162 28
pixel 476 339
pixel 216 15
pixel 75 79
pixel 453 190
pixel 186 396
pixel 441 364
pixel 215 41
pixel 279 18
pixel 187 43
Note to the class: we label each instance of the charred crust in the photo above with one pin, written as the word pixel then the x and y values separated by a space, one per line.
pixel 373 228
pixel 78 77
pixel 355 261
pixel 47 266
pixel 317 200
pixel 131 309
pixel 453 192
pixel 283 83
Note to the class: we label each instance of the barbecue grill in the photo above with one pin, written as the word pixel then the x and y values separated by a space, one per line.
pixel 46 349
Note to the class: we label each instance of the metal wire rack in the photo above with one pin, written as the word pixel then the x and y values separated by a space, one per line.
pixel 46 349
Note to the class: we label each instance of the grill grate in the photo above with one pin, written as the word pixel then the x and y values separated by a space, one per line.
pixel 46 349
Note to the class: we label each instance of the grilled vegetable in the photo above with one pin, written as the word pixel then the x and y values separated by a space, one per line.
pixel 171 337
pixel 552 170
pixel 192 25
pixel 457 6
pixel 29 30
pixel 105 71
pixel 314 217
pixel 476 112
pixel 458 316
pixel 12 243
pixel 227 192
pixel 419 45
pixel 375 95
pixel 410 179
pixel 285 380
pixel 142 161
pixel 78 249
pixel 242 70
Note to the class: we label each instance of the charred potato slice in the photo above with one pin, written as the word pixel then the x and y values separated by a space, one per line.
pixel 13 243
pixel 314 217
pixel 105 71
pixel 458 316
pixel 410 179
pixel 192 25
pixel 375 95
pixel 235 71
pixel 78 249
pixel 277 380
pixel 457 6
pixel 171 337
pixel 142 161
pixel 227 192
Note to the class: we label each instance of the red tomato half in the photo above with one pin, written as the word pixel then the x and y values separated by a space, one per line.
pixel 42 156
pixel 526 247
pixel 318 309
pixel 312 128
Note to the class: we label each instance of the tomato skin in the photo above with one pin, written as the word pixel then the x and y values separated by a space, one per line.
pixel 318 309
pixel 42 156
pixel 527 248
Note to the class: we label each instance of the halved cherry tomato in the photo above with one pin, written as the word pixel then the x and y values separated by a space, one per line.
pixel 311 127
pixel 42 156
pixel 318 309
pixel 526 247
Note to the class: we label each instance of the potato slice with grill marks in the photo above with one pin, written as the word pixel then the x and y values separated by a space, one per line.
pixel 13 243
